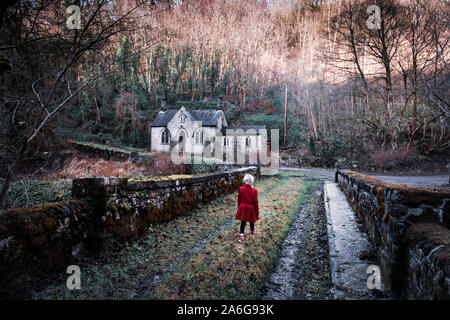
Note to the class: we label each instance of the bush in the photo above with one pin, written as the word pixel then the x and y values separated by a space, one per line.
pixel 26 193
pixel 327 150
pixel 205 166
pixel 163 165
pixel 391 158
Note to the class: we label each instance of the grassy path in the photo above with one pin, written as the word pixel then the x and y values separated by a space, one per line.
pixel 313 274
pixel 134 271
pixel 225 269
pixel 147 285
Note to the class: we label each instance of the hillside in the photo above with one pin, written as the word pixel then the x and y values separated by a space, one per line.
pixel 375 98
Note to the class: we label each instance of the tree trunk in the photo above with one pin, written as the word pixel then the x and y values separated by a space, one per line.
pixel 11 171
pixel 97 120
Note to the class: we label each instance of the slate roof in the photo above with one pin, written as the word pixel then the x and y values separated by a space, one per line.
pixel 163 118
pixel 208 117
pixel 244 128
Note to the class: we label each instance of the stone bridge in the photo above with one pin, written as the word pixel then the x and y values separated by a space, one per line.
pixel 401 229
pixel 402 222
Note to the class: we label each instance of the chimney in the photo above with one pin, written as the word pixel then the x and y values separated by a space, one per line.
pixel 163 105
pixel 219 102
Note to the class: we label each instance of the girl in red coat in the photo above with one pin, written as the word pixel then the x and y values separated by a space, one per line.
pixel 248 205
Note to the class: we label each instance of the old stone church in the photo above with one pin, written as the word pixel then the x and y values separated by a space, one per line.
pixel 195 130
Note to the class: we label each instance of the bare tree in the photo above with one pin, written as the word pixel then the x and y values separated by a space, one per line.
pixel 380 45
pixel 349 55
pixel 45 57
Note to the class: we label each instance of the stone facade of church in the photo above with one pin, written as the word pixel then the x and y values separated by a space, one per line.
pixel 196 130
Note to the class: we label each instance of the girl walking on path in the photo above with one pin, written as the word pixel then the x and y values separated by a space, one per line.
pixel 248 210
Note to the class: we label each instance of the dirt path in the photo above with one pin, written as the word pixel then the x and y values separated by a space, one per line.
pixel 283 280
pixel 135 271
pixel 147 285
pixel 427 181
pixel 322 174
pixel 303 270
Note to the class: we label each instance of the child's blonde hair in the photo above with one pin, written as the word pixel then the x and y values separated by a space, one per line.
pixel 248 179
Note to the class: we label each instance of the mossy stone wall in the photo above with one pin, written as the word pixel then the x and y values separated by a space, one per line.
pixel 108 213
pixel 111 153
pixel 126 207
pixel 387 211
pixel 427 262
pixel 40 239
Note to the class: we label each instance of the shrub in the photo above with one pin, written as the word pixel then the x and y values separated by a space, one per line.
pixel 25 193
pixel 163 165
pixel 203 167
pixel 391 158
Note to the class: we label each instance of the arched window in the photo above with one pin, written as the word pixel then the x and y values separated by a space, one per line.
pixel 199 136
pixel 248 141
pixel 181 141
pixel 182 137
pixel 165 137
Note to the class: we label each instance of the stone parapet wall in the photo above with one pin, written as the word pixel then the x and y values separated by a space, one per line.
pixel 298 161
pixel 427 260
pixel 41 238
pixel 126 207
pixel 108 213
pixel 111 153
pixel 387 211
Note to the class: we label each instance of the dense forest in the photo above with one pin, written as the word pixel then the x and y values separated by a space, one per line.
pixel 373 96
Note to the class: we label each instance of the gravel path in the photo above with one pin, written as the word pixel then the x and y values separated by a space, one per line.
pixel 346 243
pixel 322 174
pixel 283 280
pixel 427 181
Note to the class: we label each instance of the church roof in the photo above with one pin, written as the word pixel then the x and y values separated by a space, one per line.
pixel 208 117
pixel 258 129
pixel 163 118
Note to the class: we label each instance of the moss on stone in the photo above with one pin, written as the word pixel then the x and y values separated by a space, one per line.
pixel 413 195
pixel 111 206
pixel 125 206
pixel 162 178
pixel 436 234
pixel 40 239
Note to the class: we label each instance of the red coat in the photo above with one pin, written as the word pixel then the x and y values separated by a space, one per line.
pixel 247 204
